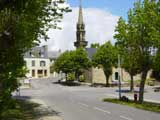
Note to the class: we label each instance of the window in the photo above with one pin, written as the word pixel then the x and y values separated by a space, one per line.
pixel 45 72
pixel 40 73
pixel 41 54
pixel 42 63
pixel 33 73
pixel 33 63
pixel 30 53
pixel 116 75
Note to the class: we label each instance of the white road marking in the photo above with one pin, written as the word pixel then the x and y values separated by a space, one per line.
pixel 83 104
pixel 96 108
pixel 126 118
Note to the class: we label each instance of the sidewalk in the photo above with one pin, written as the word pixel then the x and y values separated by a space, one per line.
pixel 45 111
pixel 149 96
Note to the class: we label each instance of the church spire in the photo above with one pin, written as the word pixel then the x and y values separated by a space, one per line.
pixel 80 18
pixel 80 42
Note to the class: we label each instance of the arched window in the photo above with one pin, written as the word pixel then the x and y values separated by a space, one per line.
pixel 42 63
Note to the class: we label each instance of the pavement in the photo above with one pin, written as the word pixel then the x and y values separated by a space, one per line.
pixel 85 103
pixel 45 111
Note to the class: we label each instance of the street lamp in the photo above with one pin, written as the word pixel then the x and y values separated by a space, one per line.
pixel 119 77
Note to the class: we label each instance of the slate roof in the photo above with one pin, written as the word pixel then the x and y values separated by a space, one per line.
pixel 90 52
pixel 42 52
pixel 37 52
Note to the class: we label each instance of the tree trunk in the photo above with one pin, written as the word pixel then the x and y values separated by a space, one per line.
pixel 107 74
pixel 66 76
pixel 107 81
pixel 77 76
pixel 131 84
pixel 142 84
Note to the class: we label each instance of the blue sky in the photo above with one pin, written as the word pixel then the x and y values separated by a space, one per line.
pixel 116 7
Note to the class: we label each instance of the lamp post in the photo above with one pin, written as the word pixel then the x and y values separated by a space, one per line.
pixel 119 77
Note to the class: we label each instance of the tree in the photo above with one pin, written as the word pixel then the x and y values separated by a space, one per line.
pixel 95 45
pixel 64 63
pixel 126 50
pixel 23 23
pixel 105 57
pixel 144 20
pixel 129 64
pixel 156 66
pixel 81 62
pixel 72 62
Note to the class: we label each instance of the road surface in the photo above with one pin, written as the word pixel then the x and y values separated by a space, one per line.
pixel 83 102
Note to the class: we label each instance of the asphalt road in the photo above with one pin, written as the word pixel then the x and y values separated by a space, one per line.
pixel 84 103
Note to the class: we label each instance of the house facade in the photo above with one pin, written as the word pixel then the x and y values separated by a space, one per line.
pixel 37 62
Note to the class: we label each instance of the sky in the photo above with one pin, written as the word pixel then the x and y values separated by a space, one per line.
pixel 100 18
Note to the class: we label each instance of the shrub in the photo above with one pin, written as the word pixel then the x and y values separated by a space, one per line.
pixel 81 78
pixel 71 77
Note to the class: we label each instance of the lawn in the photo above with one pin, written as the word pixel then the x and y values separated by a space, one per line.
pixel 154 107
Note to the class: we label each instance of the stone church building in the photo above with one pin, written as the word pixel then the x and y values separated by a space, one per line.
pixel 96 75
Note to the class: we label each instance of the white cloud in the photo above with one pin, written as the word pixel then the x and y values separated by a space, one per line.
pixel 100 26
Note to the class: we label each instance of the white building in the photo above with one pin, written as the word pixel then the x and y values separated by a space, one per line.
pixel 37 62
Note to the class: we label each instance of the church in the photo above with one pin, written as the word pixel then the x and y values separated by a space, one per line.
pixel 96 75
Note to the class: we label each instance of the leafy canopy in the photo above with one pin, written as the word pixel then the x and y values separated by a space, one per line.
pixel 106 58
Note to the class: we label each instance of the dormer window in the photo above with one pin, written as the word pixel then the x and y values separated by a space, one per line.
pixel 40 54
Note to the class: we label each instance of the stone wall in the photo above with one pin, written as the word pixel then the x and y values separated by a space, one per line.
pixel 96 75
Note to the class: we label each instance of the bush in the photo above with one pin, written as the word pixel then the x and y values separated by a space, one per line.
pixel 71 77
pixel 81 78
pixel 10 114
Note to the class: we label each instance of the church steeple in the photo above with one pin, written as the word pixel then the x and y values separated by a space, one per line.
pixel 80 42
pixel 80 18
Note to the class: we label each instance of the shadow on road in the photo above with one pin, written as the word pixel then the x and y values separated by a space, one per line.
pixel 68 83
pixel 127 91
pixel 32 110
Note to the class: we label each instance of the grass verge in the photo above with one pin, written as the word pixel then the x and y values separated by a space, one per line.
pixel 154 107
pixel 27 110
pixel 23 110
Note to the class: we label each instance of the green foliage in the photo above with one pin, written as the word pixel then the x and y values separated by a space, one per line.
pixel 71 77
pixel 106 57
pixel 72 62
pixel 139 36
pixel 145 106
pixel 156 66
pixel 126 48
pixel 22 24
pixel 10 114
pixel 64 63
pixel 95 45
pixel 80 59
pixel 81 78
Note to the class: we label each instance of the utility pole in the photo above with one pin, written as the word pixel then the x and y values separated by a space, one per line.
pixel 119 76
